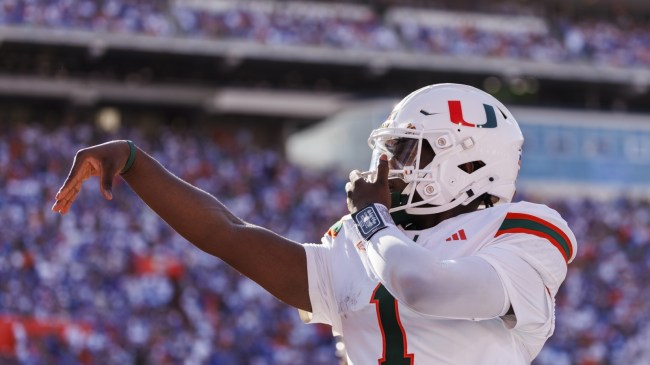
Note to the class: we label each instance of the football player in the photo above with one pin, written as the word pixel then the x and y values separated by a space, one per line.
pixel 433 265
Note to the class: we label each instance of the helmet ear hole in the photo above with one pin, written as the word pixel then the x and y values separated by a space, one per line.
pixel 470 167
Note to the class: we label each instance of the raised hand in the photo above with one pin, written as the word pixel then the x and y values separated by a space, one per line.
pixel 361 192
pixel 104 160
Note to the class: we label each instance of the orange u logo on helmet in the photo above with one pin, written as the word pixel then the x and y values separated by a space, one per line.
pixel 456 115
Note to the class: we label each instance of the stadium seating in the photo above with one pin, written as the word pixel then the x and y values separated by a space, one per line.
pixel 517 34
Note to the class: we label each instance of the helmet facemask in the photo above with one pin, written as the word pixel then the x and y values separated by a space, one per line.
pixel 412 159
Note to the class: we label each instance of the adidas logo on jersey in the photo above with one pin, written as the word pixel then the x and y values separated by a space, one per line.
pixel 458 236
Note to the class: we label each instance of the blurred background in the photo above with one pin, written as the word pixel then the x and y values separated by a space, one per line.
pixel 267 105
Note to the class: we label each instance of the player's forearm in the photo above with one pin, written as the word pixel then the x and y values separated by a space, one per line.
pixel 191 212
pixel 466 288
pixel 276 263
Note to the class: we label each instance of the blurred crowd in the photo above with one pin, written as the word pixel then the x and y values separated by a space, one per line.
pixel 617 41
pixel 603 308
pixel 110 283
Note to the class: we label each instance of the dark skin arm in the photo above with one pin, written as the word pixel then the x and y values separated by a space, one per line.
pixel 276 263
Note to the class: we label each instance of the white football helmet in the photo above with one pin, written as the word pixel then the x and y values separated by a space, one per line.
pixel 462 125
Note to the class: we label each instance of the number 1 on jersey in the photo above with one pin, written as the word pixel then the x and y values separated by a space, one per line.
pixel 392 332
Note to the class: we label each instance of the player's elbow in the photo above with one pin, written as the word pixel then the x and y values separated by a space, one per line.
pixel 419 291
pixel 218 236
pixel 411 288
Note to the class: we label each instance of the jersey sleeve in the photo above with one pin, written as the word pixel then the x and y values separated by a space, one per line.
pixel 321 283
pixel 531 250
pixel 542 238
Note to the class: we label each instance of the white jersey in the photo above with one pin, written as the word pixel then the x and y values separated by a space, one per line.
pixel 377 329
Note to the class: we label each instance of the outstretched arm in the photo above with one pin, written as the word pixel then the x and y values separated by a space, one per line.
pixel 276 263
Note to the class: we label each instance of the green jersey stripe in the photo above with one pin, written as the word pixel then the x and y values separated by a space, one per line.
pixel 523 225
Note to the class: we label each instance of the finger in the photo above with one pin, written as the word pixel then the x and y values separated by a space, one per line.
pixel 382 170
pixel 66 206
pixel 71 194
pixel 65 188
pixel 75 176
pixel 56 207
pixel 107 173
pixel 66 197
pixel 355 175
pixel 62 206
pixel 348 187
pixel 81 170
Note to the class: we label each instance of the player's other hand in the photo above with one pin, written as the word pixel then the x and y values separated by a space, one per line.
pixel 104 160
pixel 362 193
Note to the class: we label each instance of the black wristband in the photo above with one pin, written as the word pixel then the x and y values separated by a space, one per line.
pixel 371 220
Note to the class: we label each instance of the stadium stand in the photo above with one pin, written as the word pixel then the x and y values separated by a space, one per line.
pixel 610 42
pixel 197 50
pixel 111 284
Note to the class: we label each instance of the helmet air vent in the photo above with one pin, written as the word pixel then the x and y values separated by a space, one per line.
pixel 470 167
